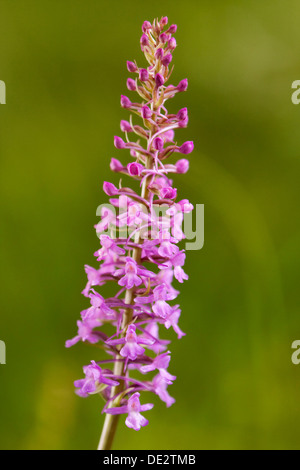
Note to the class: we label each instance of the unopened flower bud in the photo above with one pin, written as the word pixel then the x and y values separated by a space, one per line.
pixel 172 29
pixel 163 37
pixel 182 114
pixel 172 44
pixel 131 85
pixel 144 40
pixel 131 67
pixel 187 147
pixel 164 21
pixel 125 102
pixel 167 60
pixel 125 126
pixel 143 75
pixel 146 25
pixel 182 86
pixel 159 53
pixel 182 165
pixel 119 143
pixel 146 112
pixel 183 123
pixel 110 189
pixel 159 80
pixel 116 165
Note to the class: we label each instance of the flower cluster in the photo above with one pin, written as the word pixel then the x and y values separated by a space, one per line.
pixel 143 264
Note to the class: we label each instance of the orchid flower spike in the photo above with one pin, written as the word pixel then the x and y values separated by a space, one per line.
pixel 138 254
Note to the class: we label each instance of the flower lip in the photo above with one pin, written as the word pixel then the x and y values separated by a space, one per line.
pixel 135 169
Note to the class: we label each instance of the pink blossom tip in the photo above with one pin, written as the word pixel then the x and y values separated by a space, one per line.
pixel 146 112
pixel 146 25
pixel 131 85
pixel 164 21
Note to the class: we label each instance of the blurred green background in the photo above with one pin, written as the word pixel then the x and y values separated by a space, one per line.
pixel 64 64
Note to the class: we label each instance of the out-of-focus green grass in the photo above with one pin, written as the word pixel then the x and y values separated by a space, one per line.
pixel 64 68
